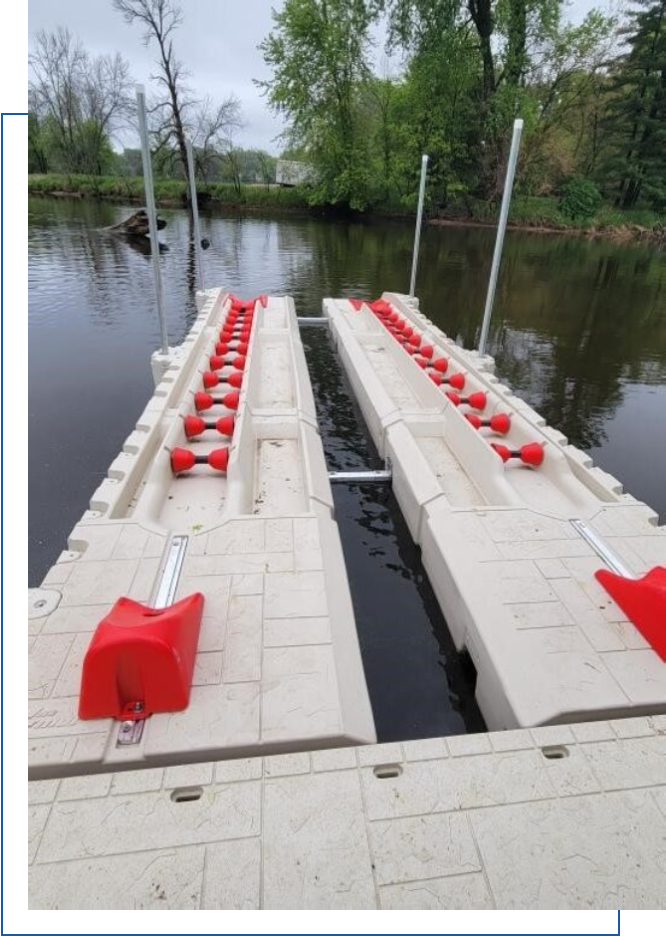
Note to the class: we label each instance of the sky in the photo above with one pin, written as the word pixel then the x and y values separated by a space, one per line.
pixel 217 42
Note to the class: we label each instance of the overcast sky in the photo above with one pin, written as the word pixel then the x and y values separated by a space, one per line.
pixel 217 43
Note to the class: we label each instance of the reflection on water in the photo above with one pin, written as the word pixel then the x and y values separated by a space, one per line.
pixel 579 330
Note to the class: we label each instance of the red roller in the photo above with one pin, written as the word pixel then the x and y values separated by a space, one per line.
pixel 457 381
pixel 204 401
pixel 426 351
pixel 530 454
pixel 415 340
pixel 242 337
pixel 195 425
pixel 440 365
pixel 184 460
pixel 356 304
pixel 380 306
pixel 420 361
pixel 500 422
pixel 217 362
pixel 475 400
pixel 224 347
pixel 211 380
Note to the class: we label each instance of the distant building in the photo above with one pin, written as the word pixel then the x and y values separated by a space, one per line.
pixel 290 172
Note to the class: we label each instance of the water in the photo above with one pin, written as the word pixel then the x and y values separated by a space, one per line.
pixel 579 330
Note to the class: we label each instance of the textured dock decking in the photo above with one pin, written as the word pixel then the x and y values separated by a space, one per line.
pixel 476 821
pixel 514 578
pixel 278 666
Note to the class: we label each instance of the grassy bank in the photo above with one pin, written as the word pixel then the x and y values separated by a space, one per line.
pixel 545 214
pixel 533 213
pixel 169 192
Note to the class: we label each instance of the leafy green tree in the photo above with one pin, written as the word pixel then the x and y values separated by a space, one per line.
pixel 318 51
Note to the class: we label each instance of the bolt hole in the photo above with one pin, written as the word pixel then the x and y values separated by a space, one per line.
pixel 187 794
pixel 41 603
pixel 555 752
pixel 387 771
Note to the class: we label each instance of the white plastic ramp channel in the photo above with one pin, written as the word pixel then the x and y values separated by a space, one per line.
pixel 278 665
pixel 513 575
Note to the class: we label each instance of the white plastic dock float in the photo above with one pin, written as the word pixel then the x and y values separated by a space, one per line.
pixel 278 665
pixel 513 574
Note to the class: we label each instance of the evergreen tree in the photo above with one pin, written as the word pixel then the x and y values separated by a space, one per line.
pixel 636 116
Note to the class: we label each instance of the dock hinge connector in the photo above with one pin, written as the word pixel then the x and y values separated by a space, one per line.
pixel 379 476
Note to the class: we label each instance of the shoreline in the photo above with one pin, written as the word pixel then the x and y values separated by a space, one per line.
pixel 279 201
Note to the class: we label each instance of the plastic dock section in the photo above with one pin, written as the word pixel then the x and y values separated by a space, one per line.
pixel 222 492
pixel 512 522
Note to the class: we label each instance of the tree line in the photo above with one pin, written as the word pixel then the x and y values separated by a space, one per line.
pixel 455 75
pixel 80 104
pixel 446 78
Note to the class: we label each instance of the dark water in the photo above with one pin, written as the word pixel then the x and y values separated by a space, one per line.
pixel 579 330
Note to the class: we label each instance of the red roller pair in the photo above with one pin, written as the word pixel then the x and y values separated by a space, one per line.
pixel 184 460
pixel 225 347
pixel 457 381
pixel 218 361
pixel 475 400
pixel 531 454
pixel 204 401
pixel 500 422
pixel 195 425
pixel 211 380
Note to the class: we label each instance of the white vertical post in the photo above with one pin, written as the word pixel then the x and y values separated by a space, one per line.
pixel 195 210
pixel 501 230
pixel 419 218
pixel 152 214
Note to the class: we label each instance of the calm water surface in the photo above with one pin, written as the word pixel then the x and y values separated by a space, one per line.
pixel 579 330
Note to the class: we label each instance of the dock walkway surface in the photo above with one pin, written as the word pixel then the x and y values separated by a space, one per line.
pixel 562 817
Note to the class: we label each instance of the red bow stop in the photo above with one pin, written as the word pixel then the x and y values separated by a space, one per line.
pixel 643 600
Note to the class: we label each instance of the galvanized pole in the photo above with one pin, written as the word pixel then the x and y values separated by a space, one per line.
pixel 195 210
pixel 152 214
pixel 501 230
pixel 419 218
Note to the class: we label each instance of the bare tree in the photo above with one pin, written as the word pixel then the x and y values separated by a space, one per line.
pixel 82 100
pixel 160 19
pixel 213 132
pixel 57 65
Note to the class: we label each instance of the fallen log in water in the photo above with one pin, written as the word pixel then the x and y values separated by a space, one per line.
pixel 136 225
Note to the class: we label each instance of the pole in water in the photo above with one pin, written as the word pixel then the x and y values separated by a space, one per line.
pixel 501 230
pixel 152 214
pixel 195 210
pixel 419 217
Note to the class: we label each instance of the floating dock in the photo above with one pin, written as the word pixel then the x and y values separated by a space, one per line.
pixel 268 790
pixel 278 666
pixel 511 535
